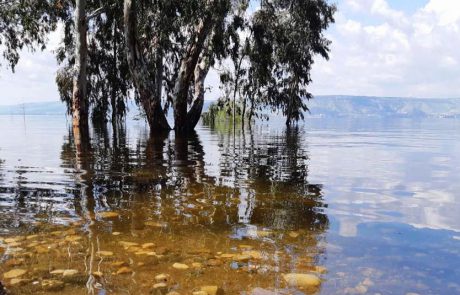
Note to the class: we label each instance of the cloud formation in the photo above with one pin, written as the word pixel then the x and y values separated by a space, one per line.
pixel 379 50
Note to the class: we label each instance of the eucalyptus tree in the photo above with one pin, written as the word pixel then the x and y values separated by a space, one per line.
pixel 287 35
pixel 170 47
pixel 25 24
pixel 271 69
pixel 107 83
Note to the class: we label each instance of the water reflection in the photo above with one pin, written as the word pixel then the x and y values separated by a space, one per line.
pixel 149 202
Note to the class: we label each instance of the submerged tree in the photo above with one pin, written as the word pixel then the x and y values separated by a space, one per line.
pixel 107 78
pixel 165 49
pixel 170 47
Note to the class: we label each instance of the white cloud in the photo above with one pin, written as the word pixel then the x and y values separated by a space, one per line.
pixel 395 54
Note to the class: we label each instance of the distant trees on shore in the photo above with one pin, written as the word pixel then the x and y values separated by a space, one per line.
pixel 160 53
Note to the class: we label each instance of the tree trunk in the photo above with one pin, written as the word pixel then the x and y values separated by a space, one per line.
pixel 148 96
pixel 79 102
pixel 186 71
pixel 114 99
pixel 194 114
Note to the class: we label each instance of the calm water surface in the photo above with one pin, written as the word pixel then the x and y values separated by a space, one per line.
pixel 366 206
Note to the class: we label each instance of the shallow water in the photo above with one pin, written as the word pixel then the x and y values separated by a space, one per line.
pixel 366 206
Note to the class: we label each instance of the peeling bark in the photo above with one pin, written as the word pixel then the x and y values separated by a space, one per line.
pixel 148 92
pixel 79 102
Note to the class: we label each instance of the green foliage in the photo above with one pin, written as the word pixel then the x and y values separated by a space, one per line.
pixel 26 24
pixel 107 71
pixel 268 53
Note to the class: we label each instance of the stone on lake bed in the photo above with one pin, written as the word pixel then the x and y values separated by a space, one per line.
pixel 227 255
pixel 294 234
pixel 212 290
pixel 124 270
pixel 105 253
pixel 128 244
pixel 14 273
pixel 108 214
pixel 242 258
pixel 163 278
pixel 69 273
pixel 57 272
pixel 253 254
pixel 301 280
pixel 155 224
pixel 116 233
pixel 180 266
pixel 52 285
pixel 73 238
pixel 98 274
pixel 160 289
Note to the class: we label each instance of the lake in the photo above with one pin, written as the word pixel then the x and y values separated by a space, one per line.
pixel 356 206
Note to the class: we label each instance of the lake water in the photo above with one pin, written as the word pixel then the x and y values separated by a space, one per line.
pixel 367 206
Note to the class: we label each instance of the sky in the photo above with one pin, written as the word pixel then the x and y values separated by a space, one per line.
pixel 405 48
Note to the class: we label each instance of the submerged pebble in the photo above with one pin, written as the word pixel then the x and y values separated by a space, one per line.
pixel 52 285
pixel 14 273
pixel 180 266
pixel 212 290
pixel 108 215
pixel 301 280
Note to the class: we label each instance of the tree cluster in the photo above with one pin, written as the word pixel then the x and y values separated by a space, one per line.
pixel 161 51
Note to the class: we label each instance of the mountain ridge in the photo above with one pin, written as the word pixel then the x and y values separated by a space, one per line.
pixel 329 106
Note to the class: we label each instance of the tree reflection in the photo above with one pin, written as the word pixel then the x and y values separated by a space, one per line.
pixel 261 180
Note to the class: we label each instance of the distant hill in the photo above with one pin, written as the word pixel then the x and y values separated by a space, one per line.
pixel 364 106
pixel 320 106
pixel 36 108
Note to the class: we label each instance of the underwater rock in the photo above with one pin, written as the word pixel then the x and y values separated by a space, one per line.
pixel 242 258
pixel 69 273
pixel 120 263
pixel 105 253
pixel 108 215
pixel 212 290
pixel 180 266
pixel 14 273
pixel 159 289
pixel 148 245
pixel 257 255
pixel 301 280
pixel 128 244
pixel 18 282
pixel 52 285
pixel 124 270
pixel 163 278
pixel 294 234
pixel 73 238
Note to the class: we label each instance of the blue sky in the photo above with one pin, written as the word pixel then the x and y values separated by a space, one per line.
pixel 404 48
